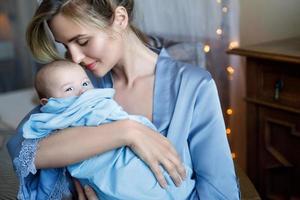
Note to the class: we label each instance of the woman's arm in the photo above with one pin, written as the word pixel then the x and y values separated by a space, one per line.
pixel 72 145
pixel 212 162
pixel 75 144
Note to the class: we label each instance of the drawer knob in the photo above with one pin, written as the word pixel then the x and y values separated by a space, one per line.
pixel 278 87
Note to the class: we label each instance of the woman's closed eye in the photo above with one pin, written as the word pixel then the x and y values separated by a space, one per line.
pixel 82 42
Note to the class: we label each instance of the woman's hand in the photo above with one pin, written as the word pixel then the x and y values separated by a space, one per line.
pixel 84 194
pixel 156 150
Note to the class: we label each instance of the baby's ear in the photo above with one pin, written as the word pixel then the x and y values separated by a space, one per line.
pixel 43 101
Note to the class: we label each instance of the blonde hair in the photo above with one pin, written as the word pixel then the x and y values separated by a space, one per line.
pixel 98 13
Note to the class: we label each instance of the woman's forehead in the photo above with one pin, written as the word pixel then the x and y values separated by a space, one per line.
pixel 65 29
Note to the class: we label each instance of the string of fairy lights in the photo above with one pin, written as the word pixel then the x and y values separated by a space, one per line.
pixel 230 70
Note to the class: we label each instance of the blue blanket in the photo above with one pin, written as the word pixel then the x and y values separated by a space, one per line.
pixel 116 174
pixel 92 108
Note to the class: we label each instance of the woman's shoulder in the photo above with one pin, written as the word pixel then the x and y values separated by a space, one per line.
pixel 183 70
pixel 194 72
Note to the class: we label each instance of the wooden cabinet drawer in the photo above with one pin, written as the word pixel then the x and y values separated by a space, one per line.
pixel 279 147
pixel 283 76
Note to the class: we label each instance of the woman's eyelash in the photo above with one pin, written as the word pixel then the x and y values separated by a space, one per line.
pixel 82 43
pixel 65 46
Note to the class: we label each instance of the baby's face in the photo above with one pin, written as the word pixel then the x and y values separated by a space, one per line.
pixel 68 82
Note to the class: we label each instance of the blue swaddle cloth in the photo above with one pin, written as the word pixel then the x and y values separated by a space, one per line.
pixel 116 174
pixel 92 108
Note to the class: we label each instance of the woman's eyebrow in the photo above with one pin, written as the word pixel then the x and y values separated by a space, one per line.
pixel 72 39
pixel 75 37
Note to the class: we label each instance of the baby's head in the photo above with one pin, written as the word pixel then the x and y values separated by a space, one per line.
pixel 60 79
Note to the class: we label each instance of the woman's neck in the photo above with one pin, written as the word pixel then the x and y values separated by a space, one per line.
pixel 138 61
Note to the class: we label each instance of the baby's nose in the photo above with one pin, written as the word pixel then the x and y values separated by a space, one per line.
pixel 82 90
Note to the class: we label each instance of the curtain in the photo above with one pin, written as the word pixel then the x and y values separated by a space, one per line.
pixel 16 63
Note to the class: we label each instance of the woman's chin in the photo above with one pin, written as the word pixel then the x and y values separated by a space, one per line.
pixel 99 73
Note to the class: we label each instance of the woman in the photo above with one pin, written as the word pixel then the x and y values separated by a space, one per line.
pixel 181 100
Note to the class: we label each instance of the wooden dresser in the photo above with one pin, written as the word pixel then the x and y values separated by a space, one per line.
pixel 273 117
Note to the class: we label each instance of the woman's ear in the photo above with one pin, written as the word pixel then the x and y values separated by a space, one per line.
pixel 43 101
pixel 120 18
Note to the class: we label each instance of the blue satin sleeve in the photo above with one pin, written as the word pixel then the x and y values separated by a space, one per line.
pixel 35 184
pixel 210 153
pixel 14 145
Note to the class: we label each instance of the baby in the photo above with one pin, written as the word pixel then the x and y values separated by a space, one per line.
pixel 68 99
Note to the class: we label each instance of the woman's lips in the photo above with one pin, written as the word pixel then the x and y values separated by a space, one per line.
pixel 91 66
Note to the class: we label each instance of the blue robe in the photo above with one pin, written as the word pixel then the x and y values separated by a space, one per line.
pixel 115 174
pixel 186 109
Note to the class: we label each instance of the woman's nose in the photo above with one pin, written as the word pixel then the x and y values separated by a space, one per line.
pixel 76 54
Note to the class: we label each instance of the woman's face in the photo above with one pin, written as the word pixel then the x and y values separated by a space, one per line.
pixel 95 49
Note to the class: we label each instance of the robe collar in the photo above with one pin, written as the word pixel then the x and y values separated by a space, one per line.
pixel 164 90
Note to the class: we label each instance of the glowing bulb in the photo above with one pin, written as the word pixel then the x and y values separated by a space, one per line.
pixel 233 44
pixel 219 31
pixel 233 155
pixel 229 111
pixel 219 1
pixel 230 70
pixel 206 48
pixel 225 9
pixel 228 131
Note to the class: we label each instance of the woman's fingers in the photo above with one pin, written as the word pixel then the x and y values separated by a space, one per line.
pixel 84 194
pixel 90 193
pixel 159 175
pixel 179 166
pixel 172 171
pixel 174 168
pixel 79 190
pixel 156 150
pixel 175 161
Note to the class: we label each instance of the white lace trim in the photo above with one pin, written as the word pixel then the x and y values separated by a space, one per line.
pixel 61 188
pixel 24 163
